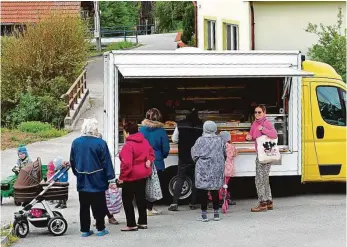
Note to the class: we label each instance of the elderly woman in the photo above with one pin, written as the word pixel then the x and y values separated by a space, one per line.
pixel 92 165
pixel 262 126
pixel 154 132
pixel 209 154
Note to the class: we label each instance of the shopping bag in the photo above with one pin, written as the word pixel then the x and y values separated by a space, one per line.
pixel 153 189
pixel 267 150
pixel 113 200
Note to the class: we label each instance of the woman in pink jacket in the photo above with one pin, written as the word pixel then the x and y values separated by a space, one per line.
pixel 136 159
pixel 261 126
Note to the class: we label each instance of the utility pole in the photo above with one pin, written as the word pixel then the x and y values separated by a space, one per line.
pixel 97 35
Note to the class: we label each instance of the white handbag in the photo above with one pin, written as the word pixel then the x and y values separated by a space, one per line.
pixel 267 150
pixel 153 188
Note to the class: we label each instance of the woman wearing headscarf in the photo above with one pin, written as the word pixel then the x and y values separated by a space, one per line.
pixel 92 165
pixel 209 155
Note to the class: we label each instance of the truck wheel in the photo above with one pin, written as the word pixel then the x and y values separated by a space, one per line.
pixel 186 188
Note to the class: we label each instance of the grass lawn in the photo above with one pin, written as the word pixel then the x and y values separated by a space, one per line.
pixel 114 46
pixel 28 132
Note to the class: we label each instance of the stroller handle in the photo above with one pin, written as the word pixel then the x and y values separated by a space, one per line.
pixel 63 168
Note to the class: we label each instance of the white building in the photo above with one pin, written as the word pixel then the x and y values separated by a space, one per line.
pixel 263 25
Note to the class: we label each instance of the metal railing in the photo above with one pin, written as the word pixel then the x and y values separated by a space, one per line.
pixel 126 32
pixel 74 93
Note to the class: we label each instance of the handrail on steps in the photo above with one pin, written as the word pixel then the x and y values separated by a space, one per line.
pixel 74 93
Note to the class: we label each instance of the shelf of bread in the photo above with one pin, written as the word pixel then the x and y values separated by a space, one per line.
pixel 246 149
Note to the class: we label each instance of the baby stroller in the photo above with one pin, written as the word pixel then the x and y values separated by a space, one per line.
pixel 31 191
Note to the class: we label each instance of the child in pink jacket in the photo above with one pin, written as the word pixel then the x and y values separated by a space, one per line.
pixel 229 170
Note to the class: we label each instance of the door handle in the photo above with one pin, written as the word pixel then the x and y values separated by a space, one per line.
pixel 320 132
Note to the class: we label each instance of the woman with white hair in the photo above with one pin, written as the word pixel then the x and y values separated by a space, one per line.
pixel 209 154
pixel 92 165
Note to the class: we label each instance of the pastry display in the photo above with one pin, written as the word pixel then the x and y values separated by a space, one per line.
pixel 170 124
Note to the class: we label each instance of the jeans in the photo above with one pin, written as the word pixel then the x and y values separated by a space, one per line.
pixel 96 201
pixel 130 190
pixel 184 171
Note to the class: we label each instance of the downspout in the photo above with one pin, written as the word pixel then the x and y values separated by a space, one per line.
pixel 196 22
pixel 252 26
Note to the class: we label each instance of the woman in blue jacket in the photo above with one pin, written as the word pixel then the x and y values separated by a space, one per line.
pixel 153 130
pixel 91 163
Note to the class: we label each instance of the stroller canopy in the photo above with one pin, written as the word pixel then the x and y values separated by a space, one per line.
pixel 29 176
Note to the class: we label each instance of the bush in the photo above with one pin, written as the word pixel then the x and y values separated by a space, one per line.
pixel 34 127
pixel 42 61
pixel 37 108
pixel 52 133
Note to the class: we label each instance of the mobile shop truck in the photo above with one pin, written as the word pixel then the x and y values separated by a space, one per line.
pixel 305 100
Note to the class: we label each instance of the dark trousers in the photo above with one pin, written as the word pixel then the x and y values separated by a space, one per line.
pixel 109 215
pixel 184 171
pixel 204 199
pixel 130 190
pixel 163 183
pixel 96 201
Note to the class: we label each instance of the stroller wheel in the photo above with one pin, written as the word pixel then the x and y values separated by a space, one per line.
pixel 17 203
pixel 57 226
pixel 21 229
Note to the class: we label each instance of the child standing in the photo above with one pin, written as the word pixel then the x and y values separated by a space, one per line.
pixel 58 163
pixel 50 173
pixel 229 170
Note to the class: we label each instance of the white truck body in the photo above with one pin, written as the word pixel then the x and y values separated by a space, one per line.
pixel 208 64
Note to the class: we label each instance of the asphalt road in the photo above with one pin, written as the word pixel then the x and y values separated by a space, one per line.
pixel 311 220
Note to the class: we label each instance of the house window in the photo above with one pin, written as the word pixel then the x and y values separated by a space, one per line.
pixel 211 35
pixel 231 36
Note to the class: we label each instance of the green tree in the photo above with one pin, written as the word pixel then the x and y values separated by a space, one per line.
pixel 169 15
pixel 188 24
pixel 119 13
pixel 331 45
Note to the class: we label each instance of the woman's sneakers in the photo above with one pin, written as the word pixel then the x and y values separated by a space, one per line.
pixel 87 234
pixel 216 215
pixel 152 212
pixel 99 233
pixel 173 207
pixel 203 217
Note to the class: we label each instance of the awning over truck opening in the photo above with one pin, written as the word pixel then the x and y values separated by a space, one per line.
pixel 140 71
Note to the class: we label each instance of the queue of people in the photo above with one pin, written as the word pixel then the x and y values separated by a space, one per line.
pixel 203 153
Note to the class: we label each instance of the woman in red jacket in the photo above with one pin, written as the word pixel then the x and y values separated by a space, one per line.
pixel 136 158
